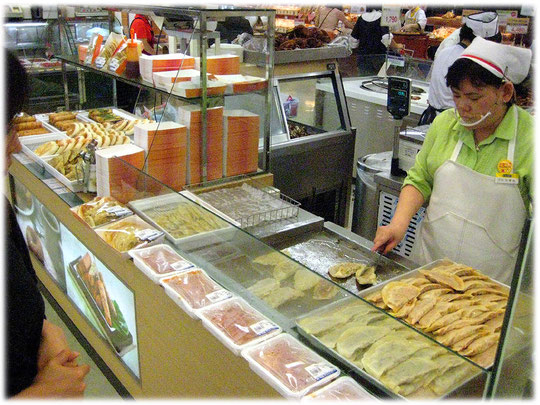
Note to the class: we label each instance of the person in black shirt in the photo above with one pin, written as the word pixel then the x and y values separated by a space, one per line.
pixel 39 361
pixel 232 27
pixel 371 51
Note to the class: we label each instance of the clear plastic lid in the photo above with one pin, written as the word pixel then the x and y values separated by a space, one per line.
pixel 101 210
pixel 238 322
pixel 196 288
pixel 129 233
pixel 295 368
pixel 161 259
pixel 342 389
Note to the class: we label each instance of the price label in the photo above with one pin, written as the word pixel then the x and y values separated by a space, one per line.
pixel 391 16
pixel 100 62
pixel 148 234
pixel 517 25
pixel 263 327
pixel 181 265
pixel 358 9
pixel 118 211
pixel 218 295
pixel 114 64
pixel 396 60
pixel 321 370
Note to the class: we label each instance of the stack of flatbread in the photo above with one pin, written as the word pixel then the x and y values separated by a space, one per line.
pixel 457 305
pixel 400 358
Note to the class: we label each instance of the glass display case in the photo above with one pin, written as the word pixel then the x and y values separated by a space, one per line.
pixel 398 331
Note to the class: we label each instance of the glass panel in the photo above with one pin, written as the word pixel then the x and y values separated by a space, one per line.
pixel 514 379
pixel 310 111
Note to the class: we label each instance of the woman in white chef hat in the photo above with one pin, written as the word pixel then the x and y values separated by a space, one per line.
pixel 475 168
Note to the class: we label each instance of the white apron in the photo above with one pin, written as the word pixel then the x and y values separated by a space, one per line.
pixel 472 219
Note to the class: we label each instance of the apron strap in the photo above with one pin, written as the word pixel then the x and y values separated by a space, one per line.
pixel 456 151
pixel 512 143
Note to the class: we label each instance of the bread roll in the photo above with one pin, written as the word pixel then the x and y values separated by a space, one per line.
pixel 36 131
pixel 27 125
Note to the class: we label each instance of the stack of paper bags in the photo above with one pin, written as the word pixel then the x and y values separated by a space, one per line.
pixel 241 140
pixel 190 116
pixel 114 177
pixel 148 64
pixel 221 64
pixel 165 144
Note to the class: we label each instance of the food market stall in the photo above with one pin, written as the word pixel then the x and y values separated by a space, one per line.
pixel 164 323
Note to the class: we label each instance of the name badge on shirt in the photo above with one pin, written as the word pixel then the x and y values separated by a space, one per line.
pixel 507 178
pixel 504 173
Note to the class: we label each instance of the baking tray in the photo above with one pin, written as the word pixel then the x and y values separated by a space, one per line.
pixel 121 342
pixel 320 250
pixel 345 363
pixel 142 206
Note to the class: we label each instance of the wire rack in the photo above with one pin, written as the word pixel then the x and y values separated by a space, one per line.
pixel 252 204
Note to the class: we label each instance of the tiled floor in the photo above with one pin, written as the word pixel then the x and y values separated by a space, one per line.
pixel 98 387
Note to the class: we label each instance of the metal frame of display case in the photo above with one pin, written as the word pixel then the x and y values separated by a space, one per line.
pixel 203 16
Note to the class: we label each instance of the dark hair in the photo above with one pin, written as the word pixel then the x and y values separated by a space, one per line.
pixel 17 87
pixel 466 34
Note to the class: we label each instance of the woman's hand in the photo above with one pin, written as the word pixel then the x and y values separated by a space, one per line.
pixel 387 238
pixel 57 380
pixel 53 341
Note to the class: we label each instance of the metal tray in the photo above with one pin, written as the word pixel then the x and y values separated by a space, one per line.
pixel 121 342
pixel 142 206
pixel 318 251
pixel 353 367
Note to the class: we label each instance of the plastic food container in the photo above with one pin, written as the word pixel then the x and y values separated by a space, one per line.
pixel 342 389
pixel 129 233
pixel 159 261
pixel 193 290
pixel 289 366
pixel 237 325
pixel 101 210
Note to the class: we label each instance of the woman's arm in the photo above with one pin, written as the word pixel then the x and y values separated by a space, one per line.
pixel 389 236
pixel 53 341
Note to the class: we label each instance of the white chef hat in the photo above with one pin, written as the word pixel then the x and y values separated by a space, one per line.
pixel 484 24
pixel 504 61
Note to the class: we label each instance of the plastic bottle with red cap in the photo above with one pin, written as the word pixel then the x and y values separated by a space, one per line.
pixel 132 59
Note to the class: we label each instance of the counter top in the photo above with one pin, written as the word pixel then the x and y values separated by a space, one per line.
pixel 354 90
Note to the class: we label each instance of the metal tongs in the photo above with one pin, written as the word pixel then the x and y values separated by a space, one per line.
pixel 377 262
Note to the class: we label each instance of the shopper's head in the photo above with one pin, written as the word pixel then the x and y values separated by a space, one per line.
pixel 16 96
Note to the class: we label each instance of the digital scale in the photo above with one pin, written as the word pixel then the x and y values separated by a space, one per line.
pixel 399 106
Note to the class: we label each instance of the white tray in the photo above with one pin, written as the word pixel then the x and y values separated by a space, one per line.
pixel 335 385
pixel 30 143
pixel 182 265
pixel 328 371
pixel 267 327
pixel 139 206
pixel 219 295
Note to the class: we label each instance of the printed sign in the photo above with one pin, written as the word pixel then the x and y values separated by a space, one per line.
pixel 504 15
pixel 390 16
pixel 517 25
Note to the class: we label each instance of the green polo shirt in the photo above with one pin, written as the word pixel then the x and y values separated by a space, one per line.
pixel 443 135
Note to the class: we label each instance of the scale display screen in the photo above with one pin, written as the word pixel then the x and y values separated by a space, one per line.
pixel 399 97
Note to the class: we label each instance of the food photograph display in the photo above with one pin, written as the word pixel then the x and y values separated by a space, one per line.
pixel 262 202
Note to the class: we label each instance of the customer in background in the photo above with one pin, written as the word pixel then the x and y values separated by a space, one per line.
pixel 415 20
pixel 371 50
pixel 328 19
pixel 440 96
pixel 39 361
pixel 475 168
pixel 142 27
pixel 232 27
